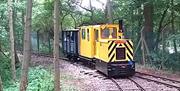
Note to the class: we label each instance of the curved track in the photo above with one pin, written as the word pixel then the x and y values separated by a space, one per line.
pixel 139 86
pixel 158 79
pixel 116 83
pixel 140 75
pixel 119 87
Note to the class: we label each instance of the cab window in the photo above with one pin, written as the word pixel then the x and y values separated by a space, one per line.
pixel 107 33
pixel 96 34
pixel 88 34
pixel 83 34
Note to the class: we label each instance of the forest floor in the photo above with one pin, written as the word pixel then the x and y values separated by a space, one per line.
pixel 74 79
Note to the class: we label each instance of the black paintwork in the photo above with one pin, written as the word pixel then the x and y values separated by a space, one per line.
pixel 115 69
pixel 70 43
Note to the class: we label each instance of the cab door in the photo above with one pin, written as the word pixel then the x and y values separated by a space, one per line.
pixel 96 43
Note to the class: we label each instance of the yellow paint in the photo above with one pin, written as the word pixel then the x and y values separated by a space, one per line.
pixel 93 48
pixel 103 49
pixel 86 46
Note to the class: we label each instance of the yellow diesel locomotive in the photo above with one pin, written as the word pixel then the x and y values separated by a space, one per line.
pixel 102 46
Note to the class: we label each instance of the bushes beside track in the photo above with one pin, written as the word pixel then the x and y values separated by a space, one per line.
pixel 39 79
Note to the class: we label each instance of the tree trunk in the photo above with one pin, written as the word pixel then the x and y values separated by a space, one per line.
pixel 1 86
pixel 172 22
pixel 17 61
pixel 160 28
pixel 109 12
pixel 75 23
pixel 11 30
pixel 148 24
pixel 163 44
pixel 38 46
pixel 92 12
pixel 143 48
pixel 27 49
pixel 56 46
pixel 23 25
pixel 49 42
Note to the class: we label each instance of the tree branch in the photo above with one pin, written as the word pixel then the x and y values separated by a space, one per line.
pixel 4 53
pixel 160 27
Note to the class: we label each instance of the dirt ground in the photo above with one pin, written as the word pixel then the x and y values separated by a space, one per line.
pixel 74 79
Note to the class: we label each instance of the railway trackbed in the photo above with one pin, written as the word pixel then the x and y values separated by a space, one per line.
pixel 116 84
pixel 119 84
pixel 126 84
pixel 137 84
pixel 115 81
pixel 158 79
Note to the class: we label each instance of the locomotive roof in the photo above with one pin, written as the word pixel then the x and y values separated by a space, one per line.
pixel 99 25
pixel 90 26
pixel 71 30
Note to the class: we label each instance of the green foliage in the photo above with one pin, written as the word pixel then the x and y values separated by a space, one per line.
pixel 158 59
pixel 5 68
pixel 5 71
pixel 164 60
pixel 39 79
pixel 174 36
pixel 68 22
pixel 45 49
pixel 173 62
pixel 42 20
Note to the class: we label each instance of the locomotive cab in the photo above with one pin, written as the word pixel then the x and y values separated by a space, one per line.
pixel 105 47
pixel 113 53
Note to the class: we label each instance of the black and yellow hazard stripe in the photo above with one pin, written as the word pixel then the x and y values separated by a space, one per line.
pixel 129 47
pixel 112 49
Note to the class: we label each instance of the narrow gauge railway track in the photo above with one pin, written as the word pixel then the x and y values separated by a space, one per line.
pixel 146 76
pixel 119 87
pixel 175 81
pixel 115 81
pixel 112 83
pixel 138 74
pixel 139 86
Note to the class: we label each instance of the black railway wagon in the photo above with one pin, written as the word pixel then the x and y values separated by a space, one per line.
pixel 70 43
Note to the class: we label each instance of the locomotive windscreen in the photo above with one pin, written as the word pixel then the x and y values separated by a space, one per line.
pixel 120 54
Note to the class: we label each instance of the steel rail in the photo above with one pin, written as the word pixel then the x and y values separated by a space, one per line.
pixel 116 83
pixel 158 82
pixel 158 77
pixel 139 86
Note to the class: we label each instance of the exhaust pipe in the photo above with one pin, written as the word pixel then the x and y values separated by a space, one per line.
pixel 121 29
pixel 121 26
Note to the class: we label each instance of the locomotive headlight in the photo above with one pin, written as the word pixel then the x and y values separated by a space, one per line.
pixel 131 63
pixel 132 66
